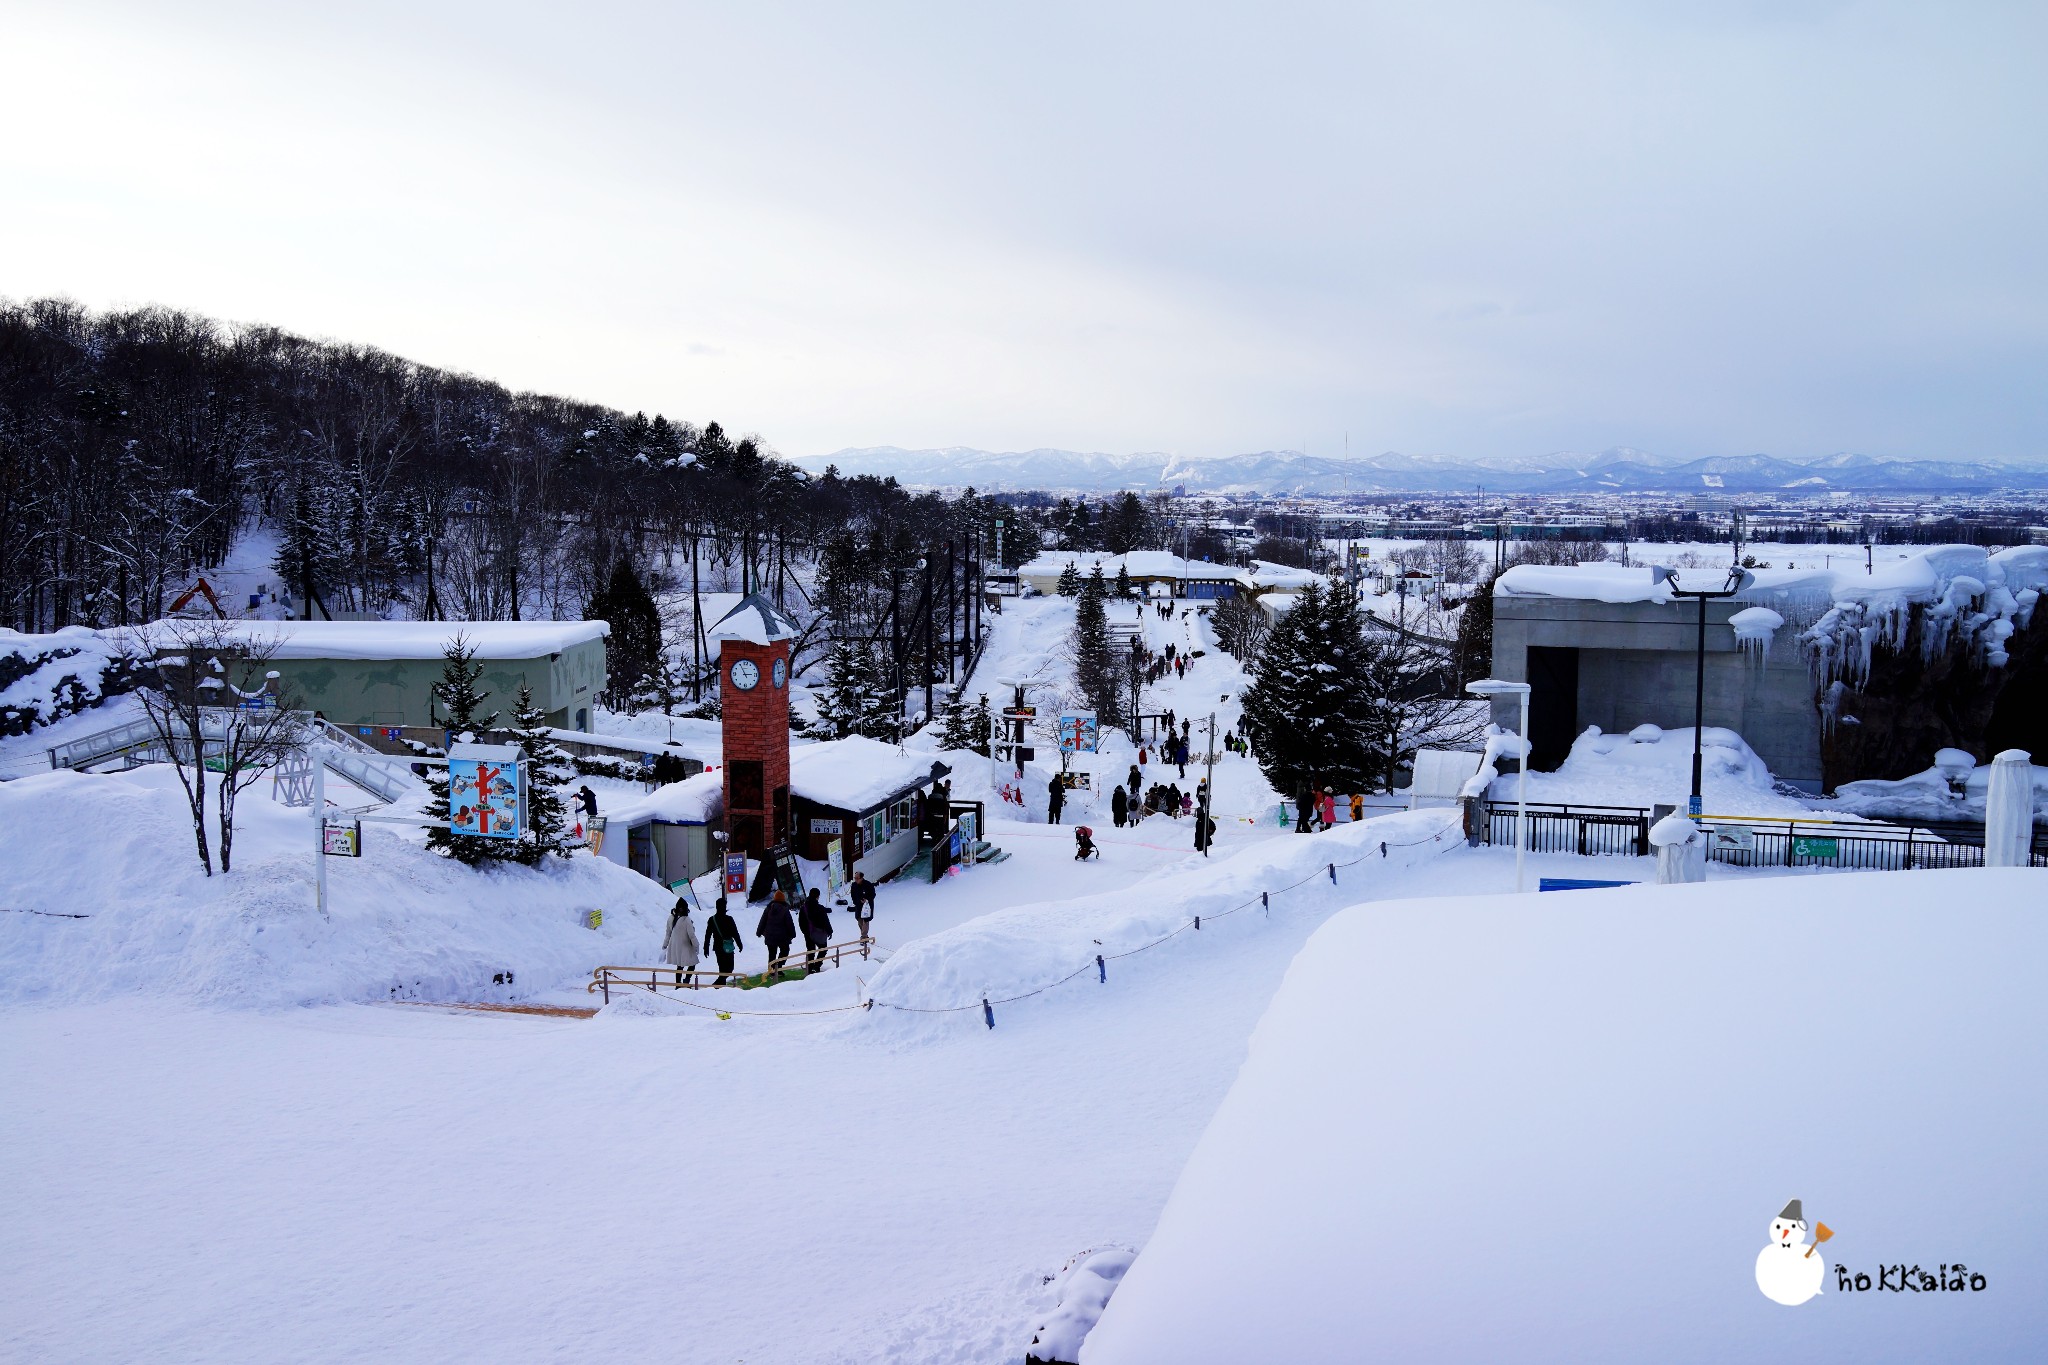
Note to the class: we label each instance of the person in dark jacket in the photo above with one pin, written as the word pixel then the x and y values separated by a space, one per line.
pixel 816 922
pixel 1119 807
pixel 862 893
pixel 1305 810
pixel 777 929
pixel 1055 797
pixel 722 937
pixel 586 801
pixel 1134 781
pixel 1180 756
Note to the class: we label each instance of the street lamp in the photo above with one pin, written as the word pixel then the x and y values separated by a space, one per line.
pixel 1739 580
pixel 1497 687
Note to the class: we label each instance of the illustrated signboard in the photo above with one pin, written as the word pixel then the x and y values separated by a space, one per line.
pixel 342 839
pixel 835 869
pixel 778 868
pixel 735 874
pixel 1732 839
pixel 684 891
pixel 486 791
pixel 1077 732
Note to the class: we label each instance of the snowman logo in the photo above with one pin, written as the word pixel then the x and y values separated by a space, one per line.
pixel 1788 1271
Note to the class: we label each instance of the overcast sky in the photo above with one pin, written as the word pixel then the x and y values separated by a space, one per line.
pixel 1477 229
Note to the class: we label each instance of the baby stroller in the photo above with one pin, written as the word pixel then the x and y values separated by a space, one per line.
pixel 1084 844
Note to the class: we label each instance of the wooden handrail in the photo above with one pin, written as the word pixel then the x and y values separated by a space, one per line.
pixel 659 978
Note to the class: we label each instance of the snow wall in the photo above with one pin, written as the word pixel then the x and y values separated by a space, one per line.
pixel 1016 952
pixel 101 894
pixel 1556 1128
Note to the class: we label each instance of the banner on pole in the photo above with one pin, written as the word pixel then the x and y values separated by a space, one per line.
pixel 735 874
pixel 835 868
pixel 486 790
pixel 1077 732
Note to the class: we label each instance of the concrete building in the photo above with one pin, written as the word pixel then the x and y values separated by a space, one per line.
pixel 379 675
pixel 1609 646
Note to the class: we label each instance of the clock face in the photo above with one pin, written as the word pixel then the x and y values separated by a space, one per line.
pixel 780 673
pixel 745 674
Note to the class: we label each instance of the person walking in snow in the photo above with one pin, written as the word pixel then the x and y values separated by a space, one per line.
pixel 1134 781
pixel 680 947
pixel 1357 807
pixel 722 937
pixel 586 801
pixel 1055 798
pixel 862 893
pixel 1305 809
pixel 1326 809
pixel 1119 807
pixel 777 929
pixel 1180 755
pixel 816 922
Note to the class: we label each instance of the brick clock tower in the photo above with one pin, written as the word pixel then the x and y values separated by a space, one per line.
pixel 753 697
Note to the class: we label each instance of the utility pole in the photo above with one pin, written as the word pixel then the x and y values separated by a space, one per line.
pixel 1208 789
pixel 929 606
pixel 952 609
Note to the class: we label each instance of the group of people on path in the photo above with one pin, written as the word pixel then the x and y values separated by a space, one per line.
pixel 778 929
pixel 1317 810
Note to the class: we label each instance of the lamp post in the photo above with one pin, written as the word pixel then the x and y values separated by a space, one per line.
pixel 1497 687
pixel 1739 580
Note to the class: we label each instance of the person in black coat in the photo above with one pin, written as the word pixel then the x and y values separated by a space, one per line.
pixel 777 929
pixel 1119 807
pixel 722 937
pixel 1055 797
pixel 816 922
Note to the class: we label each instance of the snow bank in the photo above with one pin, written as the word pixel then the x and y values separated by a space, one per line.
pixel 1014 952
pixel 1649 765
pixel 402 922
pixel 1557 1128
pixel 1947 791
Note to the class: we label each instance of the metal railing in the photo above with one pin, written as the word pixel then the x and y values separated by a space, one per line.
pixel 1588 831
pixel 1757 841
pixel 604 980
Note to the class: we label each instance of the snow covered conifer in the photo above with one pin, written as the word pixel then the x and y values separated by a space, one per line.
pixel 855 701
pixel 461 707
pixel 1123 583
pixel 1321 709
pixel 548 771
pixel 633 660
pixel 964 725
pixel 1070 581
pixel 1095 668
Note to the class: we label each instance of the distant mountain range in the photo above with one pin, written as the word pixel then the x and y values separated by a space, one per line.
pixel 1288 472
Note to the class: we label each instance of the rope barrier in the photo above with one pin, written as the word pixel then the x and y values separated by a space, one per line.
pixel 987 1004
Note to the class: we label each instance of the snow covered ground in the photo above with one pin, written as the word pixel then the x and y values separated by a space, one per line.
pixel 1485 1129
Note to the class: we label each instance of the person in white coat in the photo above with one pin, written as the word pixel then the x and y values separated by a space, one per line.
pixel 681 947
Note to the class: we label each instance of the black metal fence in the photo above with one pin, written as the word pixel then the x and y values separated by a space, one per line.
pixel 1589 831
pixel 1624 831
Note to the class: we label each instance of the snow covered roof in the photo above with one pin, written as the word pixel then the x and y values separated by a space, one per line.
pixel 1266 574
pixel 378 640
pixel 858 774
pixel 1138 564
pixel 693 801
pixel 755 620
pixel 1927 576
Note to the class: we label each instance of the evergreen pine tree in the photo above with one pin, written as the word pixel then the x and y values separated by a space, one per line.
pixel 633 663
pixel 1070 581
pixel 548 771
pixel 855 701
pixel 1275 698
pixel 460 705
pixel 1123 583
pixel 956 724
pixel 1095 670
pixel 1474 655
